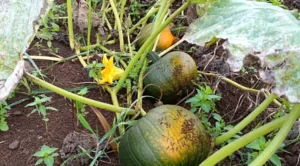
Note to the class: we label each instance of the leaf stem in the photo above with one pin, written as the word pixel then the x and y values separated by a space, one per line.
pixel 89 27
pixel 144 19
pixel 118 22
pixel 171 47
pixel 44 58
pixel 224 137
pixel 75 97
pixel 128 91
pixel 139 104
pixel 122 10
pixel 70 23
pixel 231 82
pixel 116 103
pixel 244 140
pixel 279 138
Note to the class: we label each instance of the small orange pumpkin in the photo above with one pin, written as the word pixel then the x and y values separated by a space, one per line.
pixel 166 38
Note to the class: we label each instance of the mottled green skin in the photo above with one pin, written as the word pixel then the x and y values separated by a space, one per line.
pixel 171 76
pixel 168 135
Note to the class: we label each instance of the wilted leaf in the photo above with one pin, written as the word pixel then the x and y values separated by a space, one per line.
pixel 258 28
pixel 105 125
pixel 19 20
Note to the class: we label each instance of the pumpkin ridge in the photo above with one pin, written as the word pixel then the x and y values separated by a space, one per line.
pixel 154 125
pixel 147 144
pixel 130 149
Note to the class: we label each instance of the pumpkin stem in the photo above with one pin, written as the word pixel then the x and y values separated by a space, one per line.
pixel 224 137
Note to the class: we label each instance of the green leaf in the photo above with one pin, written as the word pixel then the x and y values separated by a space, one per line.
pixel 39 154
pixel 39 161
pixel 254 145
pixel 3 126
pixel 55 27
pixel 83 91
pixel 85 124
pixel 54 154
pixel 217 117
pixel 51 150
pixel 31 104
pixel 18 25
pixel 275 160
pixel 251 27
pixel 42 109
pixel 205 106
pixel 49 161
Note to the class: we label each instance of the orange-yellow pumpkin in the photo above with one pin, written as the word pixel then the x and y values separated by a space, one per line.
pixel 166 135
pixel 166 38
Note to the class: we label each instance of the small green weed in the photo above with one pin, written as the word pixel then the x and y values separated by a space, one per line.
pixel 257 146
pixel 38 103
pixel 204 99
pixel 95 70
pixel 135 10
pixel 80 107
pixel 50 25
pixel 3 114
pixel 203 104
pixel 46 155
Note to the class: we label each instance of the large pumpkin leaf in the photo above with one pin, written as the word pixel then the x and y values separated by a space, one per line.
pixel 258 28
pixel 19 21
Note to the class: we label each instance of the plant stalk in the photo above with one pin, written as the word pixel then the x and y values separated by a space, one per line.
pixel 170 48
pixel 224 137
pixel 118 22
pixel 123 3
pixel 70 23
pixel 139 104
pixel 116 103
pixel 48 58
pixel 231 82
pixel 244 140
pixel 279 138
pixel 75 97
pixel 144 19
pixel 89 27
pixel 128 91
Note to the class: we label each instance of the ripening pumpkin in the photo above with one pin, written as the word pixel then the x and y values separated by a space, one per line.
pixel 167 135
pixel 170 77
pixel 166 38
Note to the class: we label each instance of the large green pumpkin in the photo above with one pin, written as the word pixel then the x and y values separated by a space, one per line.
pixel 168 135
pixel 170 77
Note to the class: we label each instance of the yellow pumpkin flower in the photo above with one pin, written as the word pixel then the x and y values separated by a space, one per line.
pixel 110 72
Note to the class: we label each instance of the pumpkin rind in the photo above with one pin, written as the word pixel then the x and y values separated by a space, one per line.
pixel 167 135
pixel 171 76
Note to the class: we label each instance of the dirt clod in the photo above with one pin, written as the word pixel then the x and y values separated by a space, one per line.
pixel 17 113
pixel 14 145
pixel 72 145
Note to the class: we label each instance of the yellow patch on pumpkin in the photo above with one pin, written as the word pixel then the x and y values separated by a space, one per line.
pixel 179 138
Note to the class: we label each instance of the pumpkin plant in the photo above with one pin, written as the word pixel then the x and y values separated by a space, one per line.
pixel 261 33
